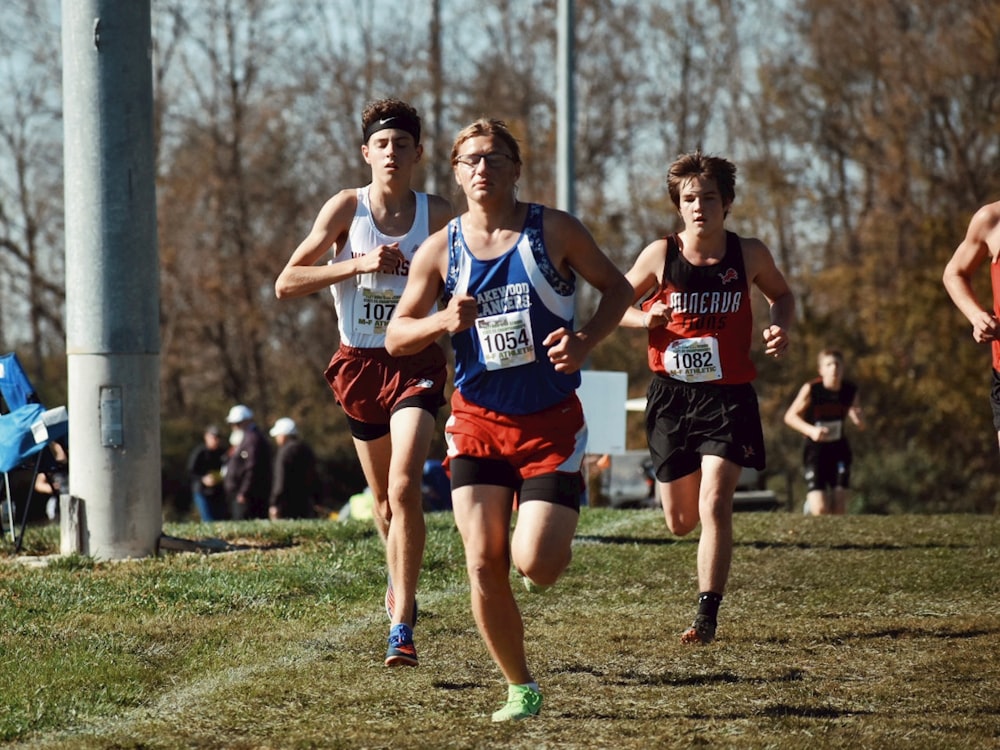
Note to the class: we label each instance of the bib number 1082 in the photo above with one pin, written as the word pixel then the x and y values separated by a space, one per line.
pixel 693 360
pixel 687 360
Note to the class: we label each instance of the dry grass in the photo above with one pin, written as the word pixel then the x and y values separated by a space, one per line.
pixel 856 632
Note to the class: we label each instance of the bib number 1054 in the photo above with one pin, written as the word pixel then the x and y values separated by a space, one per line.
pixel 506 340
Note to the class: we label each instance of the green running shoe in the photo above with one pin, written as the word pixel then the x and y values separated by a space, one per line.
pixel 522 702
pixel 533 588
pixel 530 586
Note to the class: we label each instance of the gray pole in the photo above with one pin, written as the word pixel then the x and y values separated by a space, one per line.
pixel 438 171
pixel 566 114
pixel 112 277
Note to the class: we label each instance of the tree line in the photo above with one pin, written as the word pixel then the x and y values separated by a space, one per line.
pixel 866 133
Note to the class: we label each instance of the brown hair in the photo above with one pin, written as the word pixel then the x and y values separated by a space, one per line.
pixel 830 352
pixel 404 117
pixel 697 164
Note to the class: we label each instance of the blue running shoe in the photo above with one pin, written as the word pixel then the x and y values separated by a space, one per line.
pixel 401 652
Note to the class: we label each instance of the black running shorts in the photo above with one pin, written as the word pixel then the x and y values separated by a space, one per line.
pixel 995 399
pixel 826 465
pixel 685 421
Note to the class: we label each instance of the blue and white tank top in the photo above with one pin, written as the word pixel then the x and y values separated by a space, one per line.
pixel 366 302
pixel 500 363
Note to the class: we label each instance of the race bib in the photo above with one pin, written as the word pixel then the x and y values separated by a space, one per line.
pixel 374 307
pixel 693 360
pixel 834 429
pixel 506 340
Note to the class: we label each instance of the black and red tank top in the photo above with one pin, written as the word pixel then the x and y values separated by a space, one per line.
pixel 830 407
pixel 709 334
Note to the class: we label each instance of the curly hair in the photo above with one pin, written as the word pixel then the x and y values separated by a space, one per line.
pixel 384 109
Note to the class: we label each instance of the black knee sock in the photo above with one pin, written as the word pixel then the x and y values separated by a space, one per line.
pixel 708 605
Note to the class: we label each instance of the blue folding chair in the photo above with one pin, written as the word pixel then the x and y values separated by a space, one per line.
pixel 26 430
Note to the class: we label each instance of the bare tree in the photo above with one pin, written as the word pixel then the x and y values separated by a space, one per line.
pixel 893 106
pixel 225 197
pixel 865 133
pixel 32 295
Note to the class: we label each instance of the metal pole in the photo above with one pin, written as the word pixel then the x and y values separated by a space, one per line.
pixel 112 276
pixel 439 171
pixel 566 114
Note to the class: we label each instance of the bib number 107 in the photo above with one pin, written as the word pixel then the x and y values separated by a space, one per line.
pixel 378 310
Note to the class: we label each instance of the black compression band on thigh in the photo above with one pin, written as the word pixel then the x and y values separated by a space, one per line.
pixel 430 402
pixel 366 431
pixel 558 488
pixel 466 470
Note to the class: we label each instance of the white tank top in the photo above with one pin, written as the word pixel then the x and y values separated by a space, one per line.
pixel 366 302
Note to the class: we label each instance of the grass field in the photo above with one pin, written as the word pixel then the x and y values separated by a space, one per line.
pixel 851 632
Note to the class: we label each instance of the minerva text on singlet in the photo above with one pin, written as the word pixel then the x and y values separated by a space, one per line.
pixel 705 303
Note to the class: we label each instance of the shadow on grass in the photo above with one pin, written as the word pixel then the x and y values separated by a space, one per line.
pixel 630 540
pixel 760 545
pixel 214 545
pixel 632 679
pixel 907 633
pixel 875 546
pixel 782 710
pixel 778 711
pixel 670 679
pixel 444 685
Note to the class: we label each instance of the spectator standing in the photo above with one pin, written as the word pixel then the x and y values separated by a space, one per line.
pixel 248 469
pixel 205 473
pixel 295 489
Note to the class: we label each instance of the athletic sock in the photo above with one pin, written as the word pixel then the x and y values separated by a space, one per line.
pixel 708 605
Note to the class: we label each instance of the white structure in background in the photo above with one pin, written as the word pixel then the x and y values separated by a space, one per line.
pixel 636 404
pixel 602 394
